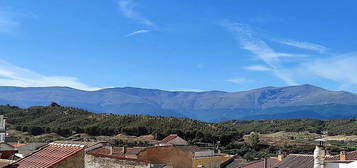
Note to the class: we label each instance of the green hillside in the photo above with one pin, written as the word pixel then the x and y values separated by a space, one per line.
pixel 67 121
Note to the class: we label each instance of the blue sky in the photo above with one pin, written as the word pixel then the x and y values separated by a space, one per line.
pixel 229 45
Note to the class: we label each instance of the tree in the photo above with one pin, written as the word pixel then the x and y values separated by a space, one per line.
pixel 36 131
pixel 252 140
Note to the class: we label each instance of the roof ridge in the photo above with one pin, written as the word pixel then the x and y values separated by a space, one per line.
pixel 300 155
pixel 66 145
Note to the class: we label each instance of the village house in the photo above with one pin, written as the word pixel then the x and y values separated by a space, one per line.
pixel 109 157
pixel 172 139
pixel 6 151
pixel 182 156
pixel 122 152
pixel 53 156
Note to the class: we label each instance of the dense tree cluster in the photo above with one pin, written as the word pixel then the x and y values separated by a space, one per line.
pixel 67 121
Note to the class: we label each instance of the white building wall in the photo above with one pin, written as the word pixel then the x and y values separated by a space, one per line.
pixel 2 123
pixel 342 165
pixel 207 153
pixel 2 137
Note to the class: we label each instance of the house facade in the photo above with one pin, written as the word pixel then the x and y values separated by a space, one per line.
pixel 182 156
pixel 54 156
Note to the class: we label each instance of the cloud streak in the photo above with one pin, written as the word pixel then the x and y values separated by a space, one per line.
pixel 339 69
pixel 250 41
pixel 237 80
pixel 7 22
pixel 291 67
pixel 138 32
pixel 12 75
pixel 304 45
pixel 257 68
pixel 127 8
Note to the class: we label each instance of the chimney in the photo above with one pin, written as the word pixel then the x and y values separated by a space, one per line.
pixel 282 156
pixel 265 162
pixel 343 155
pixel 319 154
pixel 110 150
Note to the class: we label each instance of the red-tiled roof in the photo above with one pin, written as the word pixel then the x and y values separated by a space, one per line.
pixel 168 138
pixel 296 161
pixel 17 145
pixel 271 162
pixel 351 155
pixel 49 156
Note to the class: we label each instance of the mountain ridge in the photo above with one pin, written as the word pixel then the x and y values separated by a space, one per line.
pixel 207 106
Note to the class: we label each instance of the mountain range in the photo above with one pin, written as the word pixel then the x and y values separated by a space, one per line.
pixel 302 101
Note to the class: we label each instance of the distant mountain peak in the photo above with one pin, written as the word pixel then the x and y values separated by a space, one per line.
pixel 268 102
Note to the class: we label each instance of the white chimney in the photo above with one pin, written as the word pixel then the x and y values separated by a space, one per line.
pixel 110 150
pixel 319 155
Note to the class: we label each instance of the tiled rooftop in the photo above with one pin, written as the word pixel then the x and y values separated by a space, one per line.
pixel 49 155
pixel 6 147
pixel 296 161
pixel 349 156
pixel 271 162
pixel 168 138
pixel 86 144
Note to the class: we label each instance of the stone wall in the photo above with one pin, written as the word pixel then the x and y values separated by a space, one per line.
pixel 92 161
pixel 168 155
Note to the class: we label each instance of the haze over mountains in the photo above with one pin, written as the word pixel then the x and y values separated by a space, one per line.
pixel 303 101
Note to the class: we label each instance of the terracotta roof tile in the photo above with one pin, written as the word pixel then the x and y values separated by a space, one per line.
pixel 235 163
pixel 271 162
pixel 168 138
pixel 17 145
pixel 351 155
pixel 49 156
pixel 296 161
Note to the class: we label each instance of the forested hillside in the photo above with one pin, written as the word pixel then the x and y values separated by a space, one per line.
pixel 67 121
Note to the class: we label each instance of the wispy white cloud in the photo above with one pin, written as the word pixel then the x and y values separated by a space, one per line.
pixel 304 45
pixel 7 22
pixel 237 80
pixel 251 42
pixel 138 32
pixel 257 68
pixel 339 68
pixel 127 8
pixel 291 67
pixel 12 75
